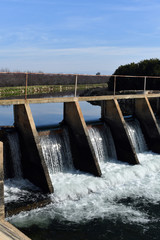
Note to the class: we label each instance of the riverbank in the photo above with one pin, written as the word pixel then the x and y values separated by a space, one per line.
pixel 39 89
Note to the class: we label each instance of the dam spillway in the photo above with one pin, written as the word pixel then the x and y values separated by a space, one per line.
pixel 82 144
pixel 80 199
pixel 57 151
pixel 103 143
pixel 106 118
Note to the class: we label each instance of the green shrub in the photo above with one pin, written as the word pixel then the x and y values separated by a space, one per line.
pixel 149 67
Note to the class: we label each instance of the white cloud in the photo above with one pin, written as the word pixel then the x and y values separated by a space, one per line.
pixel 97 51
pixel 74 60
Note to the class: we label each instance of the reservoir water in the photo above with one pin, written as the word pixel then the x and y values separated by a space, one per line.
pixel 123 204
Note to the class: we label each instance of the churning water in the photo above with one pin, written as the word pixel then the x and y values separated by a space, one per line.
pixel 122 204
pixel 17 189
pixel 126 197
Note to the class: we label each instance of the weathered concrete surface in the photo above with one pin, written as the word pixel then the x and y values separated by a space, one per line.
pixel 12 210
pixel 2 211
pixel 155 105
pixel 73 99
pixel 9 232
pixel 150 128
pixel 33 163
pixel 8 161
pixel 111 113
pixel 84 157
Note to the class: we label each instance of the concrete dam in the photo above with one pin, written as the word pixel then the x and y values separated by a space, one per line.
pixel 37 155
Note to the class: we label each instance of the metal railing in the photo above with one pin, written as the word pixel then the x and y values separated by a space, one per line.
pixel 128 76
pixel 76 82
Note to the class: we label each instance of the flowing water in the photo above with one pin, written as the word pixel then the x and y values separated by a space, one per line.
pixel 18 191
pixel 122 204
pixel 57 153
pixel 102 142
pixel 136 135
pixel 15 155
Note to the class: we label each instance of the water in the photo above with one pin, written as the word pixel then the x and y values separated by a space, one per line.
pixel 122 204
pixel 57 153
pixel 15 155
pixel 103 143
pixel 136 135
pixel 18 192
pixel 90 112
pixel 48 113
pixel 125 199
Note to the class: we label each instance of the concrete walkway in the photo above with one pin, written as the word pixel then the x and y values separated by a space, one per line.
pixel 75 99
pixel 9 232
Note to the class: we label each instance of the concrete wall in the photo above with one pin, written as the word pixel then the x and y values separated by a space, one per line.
pixel 33 162
pixel 150 128
pixel 84 157
pixel 111 114
pixel 2 213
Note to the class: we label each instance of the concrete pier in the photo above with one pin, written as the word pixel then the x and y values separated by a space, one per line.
pixel 151 130
pixel 33 163
pixel 2 210
pixel 84 157
pixel 9 232
pixel 111 114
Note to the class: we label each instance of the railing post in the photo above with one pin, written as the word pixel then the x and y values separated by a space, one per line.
pixel 115 85
pixel 145 78
pixel 75 93
pixel 26 86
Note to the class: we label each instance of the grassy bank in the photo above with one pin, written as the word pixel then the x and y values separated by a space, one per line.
pixel 31 90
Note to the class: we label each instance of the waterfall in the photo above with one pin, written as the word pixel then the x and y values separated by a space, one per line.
pixel 102 142
pixel 136 135
pixel 13 140
pixel 56 151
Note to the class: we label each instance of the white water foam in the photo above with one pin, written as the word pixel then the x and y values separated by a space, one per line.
pixel 15 189
pixel 81 197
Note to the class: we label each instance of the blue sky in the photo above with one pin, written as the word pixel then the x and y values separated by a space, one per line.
pixel 69 36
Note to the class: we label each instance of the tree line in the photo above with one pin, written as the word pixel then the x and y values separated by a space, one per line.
pixel 149 67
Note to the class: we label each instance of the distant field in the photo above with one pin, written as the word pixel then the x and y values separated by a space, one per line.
pixel 20 91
